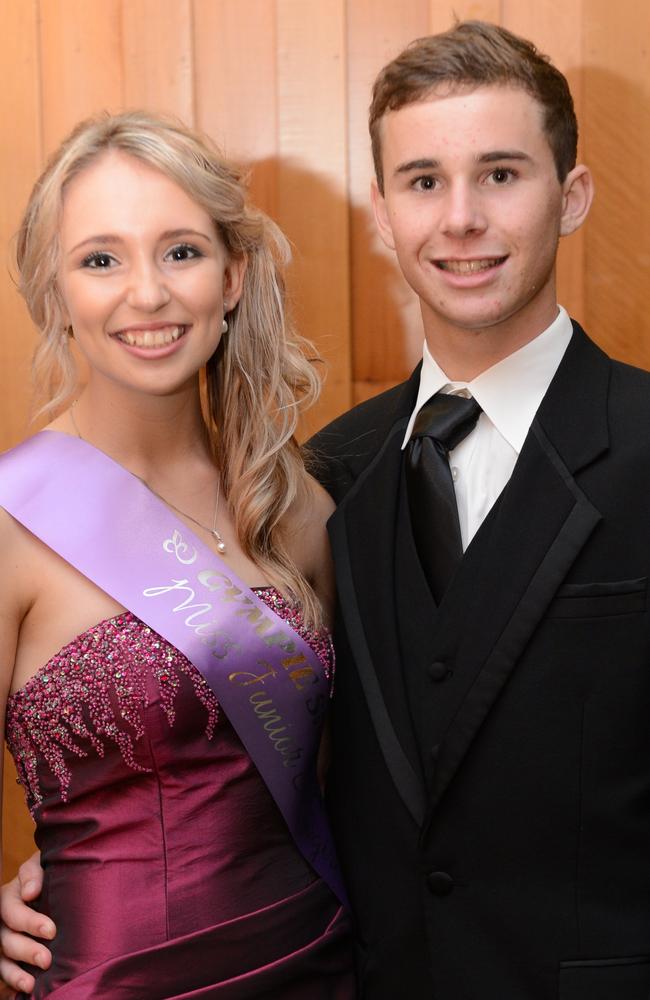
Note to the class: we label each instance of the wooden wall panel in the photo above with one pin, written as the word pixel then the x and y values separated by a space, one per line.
pixel 617 146
pixel 20 115
pixel 312 183
pixel 235 86
pixel 81 63
pixel 284 85
pixel 157 56
pixel 386 330
pixel 442 15
pixel 556 28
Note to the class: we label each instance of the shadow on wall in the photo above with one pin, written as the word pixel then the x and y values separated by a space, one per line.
pixel 346 290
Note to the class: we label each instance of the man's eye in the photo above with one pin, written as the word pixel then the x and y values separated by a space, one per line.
pixel 502 175
pixel 424 183
pixel 98 261
pixel 183 252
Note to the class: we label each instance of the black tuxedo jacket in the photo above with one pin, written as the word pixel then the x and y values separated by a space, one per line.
pixel 490 785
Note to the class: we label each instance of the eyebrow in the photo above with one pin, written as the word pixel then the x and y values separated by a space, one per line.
pixel 111 239
pixel 406 168
pixel 503 154
pixel 492 157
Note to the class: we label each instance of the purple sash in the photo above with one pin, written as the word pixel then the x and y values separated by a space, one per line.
pixel 108 525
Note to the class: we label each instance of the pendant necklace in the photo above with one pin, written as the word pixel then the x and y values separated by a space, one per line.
pixel 220 544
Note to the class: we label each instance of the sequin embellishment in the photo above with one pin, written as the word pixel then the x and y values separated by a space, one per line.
pixel 94 691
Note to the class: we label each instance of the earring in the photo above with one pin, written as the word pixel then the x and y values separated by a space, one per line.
pixel 224 325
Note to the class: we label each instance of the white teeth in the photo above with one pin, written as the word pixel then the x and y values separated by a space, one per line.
pixel 151 338
pixel 468 266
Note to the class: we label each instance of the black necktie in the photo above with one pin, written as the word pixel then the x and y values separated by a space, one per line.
pixel 439 427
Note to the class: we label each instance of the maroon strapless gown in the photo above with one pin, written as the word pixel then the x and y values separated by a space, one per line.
pixel 169 870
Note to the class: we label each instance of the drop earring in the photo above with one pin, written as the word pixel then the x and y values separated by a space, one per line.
pixel 224 322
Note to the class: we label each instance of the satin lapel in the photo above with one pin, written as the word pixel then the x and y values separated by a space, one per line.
pixel 523 551
pixel 362 533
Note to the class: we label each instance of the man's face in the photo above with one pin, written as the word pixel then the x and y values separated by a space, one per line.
pixel 473 208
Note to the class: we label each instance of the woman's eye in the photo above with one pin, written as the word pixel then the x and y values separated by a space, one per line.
pixel 183 252
pixel 98 261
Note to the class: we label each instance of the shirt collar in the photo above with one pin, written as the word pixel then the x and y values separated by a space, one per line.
pixel 509 393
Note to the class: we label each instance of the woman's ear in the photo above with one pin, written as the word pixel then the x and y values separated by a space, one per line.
pixel 233 280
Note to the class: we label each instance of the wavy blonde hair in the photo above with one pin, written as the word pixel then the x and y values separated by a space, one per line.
pixel 258 380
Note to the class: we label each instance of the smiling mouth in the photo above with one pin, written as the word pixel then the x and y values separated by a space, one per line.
pixel 151 338
pixel 469 266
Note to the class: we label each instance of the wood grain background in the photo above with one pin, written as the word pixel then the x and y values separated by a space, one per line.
pixel 284 86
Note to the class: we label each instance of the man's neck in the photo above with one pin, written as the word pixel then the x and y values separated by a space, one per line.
pixel 463 354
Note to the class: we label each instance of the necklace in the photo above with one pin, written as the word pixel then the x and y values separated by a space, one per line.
pixel 220 544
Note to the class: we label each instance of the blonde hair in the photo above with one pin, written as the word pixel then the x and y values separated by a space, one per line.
pixel 259 378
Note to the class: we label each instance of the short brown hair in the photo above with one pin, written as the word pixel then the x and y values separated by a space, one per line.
pixel 476 53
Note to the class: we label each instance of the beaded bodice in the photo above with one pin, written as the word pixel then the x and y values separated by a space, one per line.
pixel 95 692
pixel 153 822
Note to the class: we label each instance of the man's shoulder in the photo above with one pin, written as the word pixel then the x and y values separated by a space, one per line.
pixel 625 376
pixel 362 421
pixel 624 390
pixel 622 371
pixel 343 448
pixel 629 403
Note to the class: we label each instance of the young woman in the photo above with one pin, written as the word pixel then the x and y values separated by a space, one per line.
pixel 166 660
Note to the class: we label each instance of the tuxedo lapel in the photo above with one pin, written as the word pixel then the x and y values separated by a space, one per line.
pixel 362 532
pixel 522 553
pixel 504 583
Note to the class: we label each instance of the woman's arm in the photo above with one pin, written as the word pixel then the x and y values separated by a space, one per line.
pixel 15 598
pixel 310 548
pixel 310 545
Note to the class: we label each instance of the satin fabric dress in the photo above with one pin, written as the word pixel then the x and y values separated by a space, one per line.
pixel 169 870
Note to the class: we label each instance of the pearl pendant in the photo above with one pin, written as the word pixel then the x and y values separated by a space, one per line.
pixel 221 545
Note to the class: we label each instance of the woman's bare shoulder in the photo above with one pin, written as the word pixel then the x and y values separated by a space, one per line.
pixel 16 549
pixel 15 597
pixel 12 534
pixel 305 530
pixel 310 510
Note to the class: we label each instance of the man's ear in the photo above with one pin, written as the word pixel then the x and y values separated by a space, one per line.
pixel 380 212
pixel 577 195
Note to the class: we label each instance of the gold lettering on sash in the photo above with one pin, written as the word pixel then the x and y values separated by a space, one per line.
pixel 212 580
pixel 274 726
pixel 300 675
pixel 254 678
pixel 262 620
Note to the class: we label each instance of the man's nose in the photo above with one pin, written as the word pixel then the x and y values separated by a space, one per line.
pixel 463 212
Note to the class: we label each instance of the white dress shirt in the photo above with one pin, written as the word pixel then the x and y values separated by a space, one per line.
pixel 509 395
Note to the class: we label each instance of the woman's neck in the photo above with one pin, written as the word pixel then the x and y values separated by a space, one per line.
pixel 141 431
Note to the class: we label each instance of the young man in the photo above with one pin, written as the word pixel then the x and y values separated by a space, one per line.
pixel 490 786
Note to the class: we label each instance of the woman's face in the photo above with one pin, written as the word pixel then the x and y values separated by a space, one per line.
pixel 144 277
